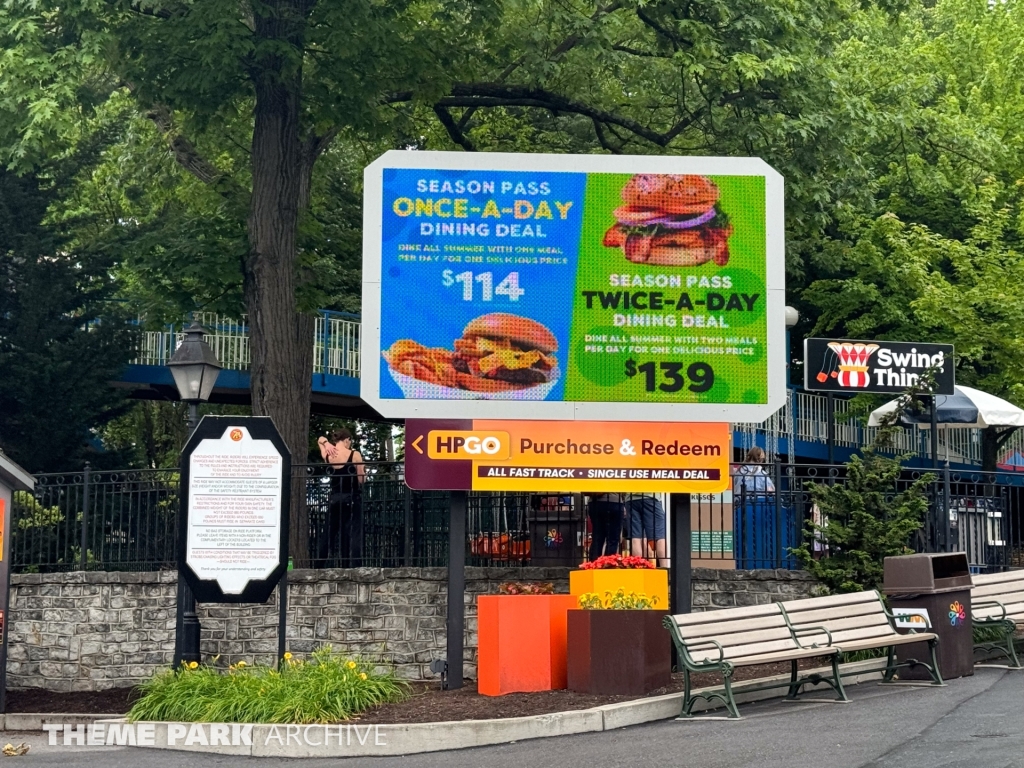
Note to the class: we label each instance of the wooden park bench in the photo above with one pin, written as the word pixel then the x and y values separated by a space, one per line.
pixel 857 621
pixel 721 641
pixel 997 602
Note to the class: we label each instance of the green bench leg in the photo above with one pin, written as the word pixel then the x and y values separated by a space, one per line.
pixel 838 678
pixel 1011 651
pixel 1004 645
pixel 794 686
pixel 890 665
pixel 936 673
pixel 730 699
pixel 1009 628
pixel 687 701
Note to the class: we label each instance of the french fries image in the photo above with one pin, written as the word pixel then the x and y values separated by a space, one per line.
pixel 496 353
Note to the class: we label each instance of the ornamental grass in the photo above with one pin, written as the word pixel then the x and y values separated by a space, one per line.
pixel 617 601
pixel 326 688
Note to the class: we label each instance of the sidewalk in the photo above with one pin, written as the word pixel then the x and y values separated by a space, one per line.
pixel 976 722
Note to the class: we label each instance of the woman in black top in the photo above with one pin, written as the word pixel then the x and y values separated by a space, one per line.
pixel 345 514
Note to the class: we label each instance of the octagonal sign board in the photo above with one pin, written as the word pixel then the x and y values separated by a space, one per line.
pixel 233 529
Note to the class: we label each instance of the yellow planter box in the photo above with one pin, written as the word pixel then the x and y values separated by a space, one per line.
pixel 653 582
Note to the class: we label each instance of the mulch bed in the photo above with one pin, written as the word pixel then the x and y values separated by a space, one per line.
pixel 110 702
pixel 430 704
pixel 427 702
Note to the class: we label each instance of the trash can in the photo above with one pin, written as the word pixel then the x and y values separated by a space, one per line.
pixel 554 524
pixel 940 584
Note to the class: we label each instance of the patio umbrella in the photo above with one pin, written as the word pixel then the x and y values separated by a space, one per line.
pixel 966 408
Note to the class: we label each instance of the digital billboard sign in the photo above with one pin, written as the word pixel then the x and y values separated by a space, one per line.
pixel 573 287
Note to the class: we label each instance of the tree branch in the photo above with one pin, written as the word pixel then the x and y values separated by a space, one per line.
pixel 500 95
pixel 189 158
pixel 564 47
pixel 454 131
pixel 184 152
pixel 603 140
pixel 1003 437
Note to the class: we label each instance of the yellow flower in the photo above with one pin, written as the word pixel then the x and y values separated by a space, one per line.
pixel 287 656
pixel 362 675
pixel 241 664
pixel 193 665
pixel 351 665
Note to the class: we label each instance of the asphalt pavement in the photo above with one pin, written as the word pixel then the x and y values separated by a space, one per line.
pixel 974 722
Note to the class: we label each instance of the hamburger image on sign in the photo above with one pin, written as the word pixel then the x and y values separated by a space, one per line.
pixel 671 220
pixel 498 356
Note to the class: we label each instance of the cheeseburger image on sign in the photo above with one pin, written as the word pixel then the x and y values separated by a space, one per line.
pixel 671 221
pixel 499 357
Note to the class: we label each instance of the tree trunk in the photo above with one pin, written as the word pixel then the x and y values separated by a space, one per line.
pixel 989 449
pixel 281 338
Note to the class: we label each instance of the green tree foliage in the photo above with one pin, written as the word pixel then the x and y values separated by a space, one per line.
pixel 247 98
pixel 62 340
pixel 936 255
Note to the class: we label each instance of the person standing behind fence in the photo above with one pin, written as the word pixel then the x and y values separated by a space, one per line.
pixel 345 512
pixel 647 521
pixel 750 477
pixel 606 512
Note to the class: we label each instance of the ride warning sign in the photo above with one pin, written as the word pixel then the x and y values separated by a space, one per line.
pixel 235 478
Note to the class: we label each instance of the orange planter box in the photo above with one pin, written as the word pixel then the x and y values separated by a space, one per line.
pixel 652 582
pixel 521 642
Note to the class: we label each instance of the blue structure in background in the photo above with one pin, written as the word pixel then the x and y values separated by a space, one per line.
pixel 764 533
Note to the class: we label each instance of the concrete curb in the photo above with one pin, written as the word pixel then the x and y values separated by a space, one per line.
pixel 370 740
pixel 34 721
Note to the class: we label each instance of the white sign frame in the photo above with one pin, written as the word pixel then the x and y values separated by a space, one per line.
pixel 370 347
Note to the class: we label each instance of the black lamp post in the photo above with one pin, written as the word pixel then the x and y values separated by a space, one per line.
pixel 195 368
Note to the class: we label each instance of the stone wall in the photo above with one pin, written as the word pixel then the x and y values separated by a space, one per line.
pixel 89 631
pixel 718 588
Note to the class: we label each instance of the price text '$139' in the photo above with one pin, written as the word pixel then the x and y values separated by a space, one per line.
pixel 669 377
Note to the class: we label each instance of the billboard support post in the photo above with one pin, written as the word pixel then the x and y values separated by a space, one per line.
pixel 680 597
pixel 456 589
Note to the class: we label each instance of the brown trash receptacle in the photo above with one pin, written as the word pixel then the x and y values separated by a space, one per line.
pixel 941 584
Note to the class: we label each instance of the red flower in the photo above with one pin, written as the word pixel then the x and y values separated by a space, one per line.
pixel 616 561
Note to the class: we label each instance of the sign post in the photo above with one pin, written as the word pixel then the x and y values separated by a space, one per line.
pixel 233 526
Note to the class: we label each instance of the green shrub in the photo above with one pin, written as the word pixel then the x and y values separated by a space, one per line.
pixel 868 517
pixel 325 689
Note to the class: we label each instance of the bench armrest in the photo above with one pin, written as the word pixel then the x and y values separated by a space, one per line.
pixel 990 604
pixel 810 631
pixel 708 642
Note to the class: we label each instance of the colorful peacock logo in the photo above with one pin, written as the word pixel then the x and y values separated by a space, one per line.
pixel 553 539
pixel 957 614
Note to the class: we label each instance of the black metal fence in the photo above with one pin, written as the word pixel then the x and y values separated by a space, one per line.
pixel 126 521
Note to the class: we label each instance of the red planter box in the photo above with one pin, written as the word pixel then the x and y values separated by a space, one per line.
pixel 618 652
pixel 521 642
